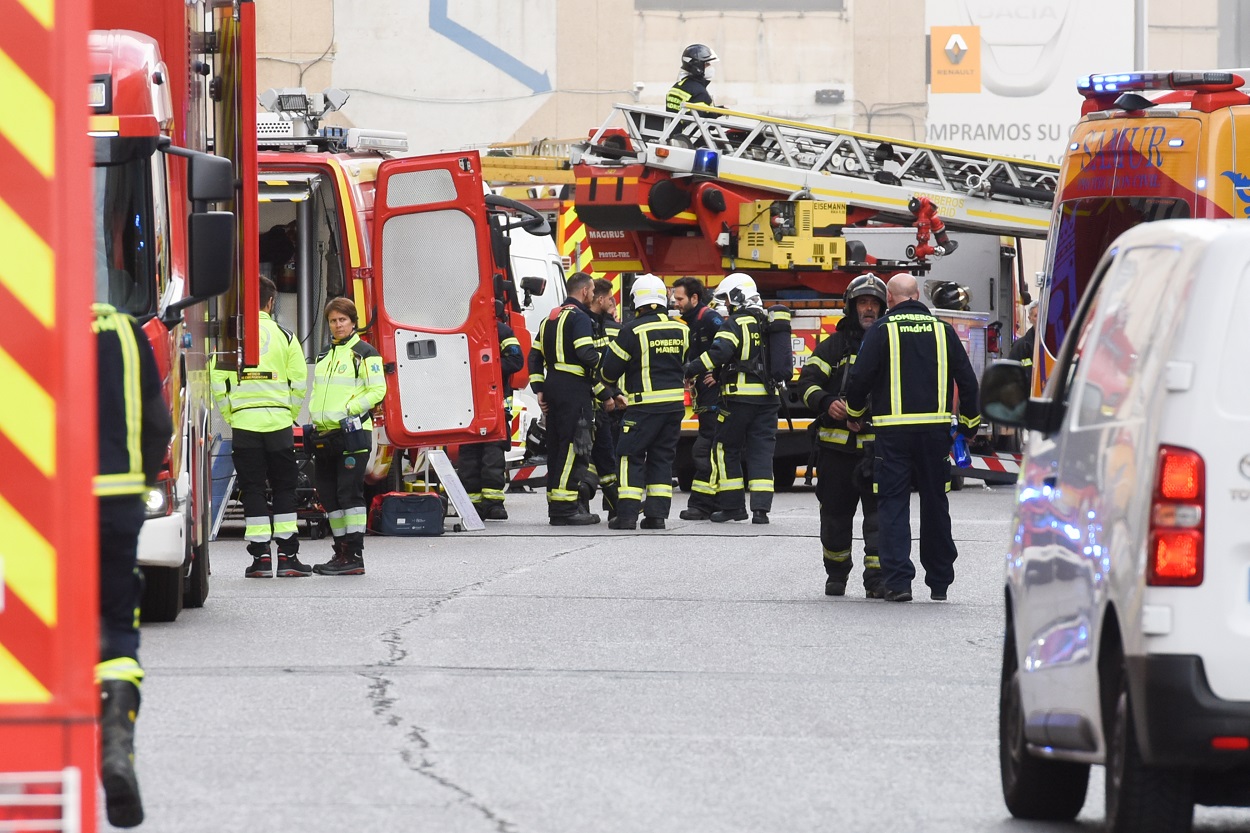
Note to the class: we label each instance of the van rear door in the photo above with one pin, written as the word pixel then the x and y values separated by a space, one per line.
pixel 435 321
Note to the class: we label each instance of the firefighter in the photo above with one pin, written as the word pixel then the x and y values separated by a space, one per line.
pixel 746 432
pixel 1022 350
pixel 483 467
pixel 910 362
pixel 563 368
pixel 347 385
pixel 648 353
pixel 134 431
pixel 691 84
pixel 690 296
pixel 842 454
pixel 261 404
pixel 608 412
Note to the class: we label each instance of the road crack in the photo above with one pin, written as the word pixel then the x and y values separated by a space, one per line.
pixel 418 753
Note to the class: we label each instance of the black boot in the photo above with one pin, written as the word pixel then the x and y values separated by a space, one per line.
pixel 119 706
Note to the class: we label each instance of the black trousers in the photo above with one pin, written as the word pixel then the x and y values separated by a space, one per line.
pixel 604 458
pixel 745 439
pixel 703 489
pixel 483 471
pixel 570 437
pixel 840 493
pixel 900 456
pixel 265 461
pixel 121 583
pixel 341 485
pixel 648 448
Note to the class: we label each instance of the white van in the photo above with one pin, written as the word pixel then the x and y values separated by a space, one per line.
pixel 1128 573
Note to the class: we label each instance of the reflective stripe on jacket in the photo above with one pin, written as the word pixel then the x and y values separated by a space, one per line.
pixel 737 345
pixel 648 352
pixel 821 382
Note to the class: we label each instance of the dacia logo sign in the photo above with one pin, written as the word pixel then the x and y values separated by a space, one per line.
pixel 956 47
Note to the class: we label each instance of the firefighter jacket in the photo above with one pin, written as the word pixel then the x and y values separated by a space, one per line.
pixel 605 328
pixel 704 323
pixel 133 417
pixel 687 90
pixel 1022 350
pixel 737 357
pixel 511 357
pixel 910 362
pixel 648 352
pixel 347 382
pixel 824 379
pixel 267 397
pixel 564 354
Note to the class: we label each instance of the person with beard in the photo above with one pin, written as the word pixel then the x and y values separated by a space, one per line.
pixel 841 485
pixel 609 412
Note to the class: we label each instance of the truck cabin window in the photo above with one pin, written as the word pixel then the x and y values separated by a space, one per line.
pixel 124 241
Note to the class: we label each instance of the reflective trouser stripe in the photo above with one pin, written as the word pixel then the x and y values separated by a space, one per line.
pixel 126 669
pixel 258 529
pixel 759 485
pixel 840 555
pixel 626 491
pixel 872 562
pixel 562 496
pixel 702 487
pixel 285 525
pixel 354 520
pixel 492 494
pixel 338 523
pixel 607 480
pixel 659 490
pixel 475 497
pixel 724 483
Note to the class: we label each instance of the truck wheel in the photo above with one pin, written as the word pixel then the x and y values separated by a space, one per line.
pixel 957 482
pixel 683 465
pixel 162 594
pixel 1142 798
pixel 1033 788
pixel 196 591
pixel 785 472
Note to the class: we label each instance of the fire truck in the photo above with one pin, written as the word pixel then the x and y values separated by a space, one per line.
pixel 1149 146
pixel 167 86
pixel 416 243
pixel 803 209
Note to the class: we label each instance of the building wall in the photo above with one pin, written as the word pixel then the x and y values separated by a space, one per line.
pixel 476 76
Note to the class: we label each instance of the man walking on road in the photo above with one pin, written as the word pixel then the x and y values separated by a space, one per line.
pixel 261 404
pixel 841 486
pixel 563 364
pixel 910 363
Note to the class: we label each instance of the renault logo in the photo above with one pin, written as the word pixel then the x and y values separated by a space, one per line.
pixel 1245 466
pixel 956 48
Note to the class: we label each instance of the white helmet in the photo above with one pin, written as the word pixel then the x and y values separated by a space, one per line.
pixel 738 290
pixel 648 290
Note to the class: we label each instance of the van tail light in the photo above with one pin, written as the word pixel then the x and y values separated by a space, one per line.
pixel 1176 519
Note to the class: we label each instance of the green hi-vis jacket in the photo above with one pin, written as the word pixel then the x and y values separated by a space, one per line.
pixel 266 397
pixel 347 382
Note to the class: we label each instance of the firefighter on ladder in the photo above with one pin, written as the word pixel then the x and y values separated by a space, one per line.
pixel 483 467
pixel 134 429
pixel 648 352
pixel 691 85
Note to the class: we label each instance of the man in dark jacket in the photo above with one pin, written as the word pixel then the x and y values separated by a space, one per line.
pixel 691 85
pixel 483 467
pixel 609 411
pixel 910 363
pixel 690 297
pixel 841 483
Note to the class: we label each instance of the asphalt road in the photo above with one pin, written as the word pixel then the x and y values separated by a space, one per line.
pixel 533 679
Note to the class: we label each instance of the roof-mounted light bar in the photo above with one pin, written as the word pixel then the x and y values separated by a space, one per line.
pixel 1203 82
pixel 384 140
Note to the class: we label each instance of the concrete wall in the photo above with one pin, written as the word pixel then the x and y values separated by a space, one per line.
pixel 476 74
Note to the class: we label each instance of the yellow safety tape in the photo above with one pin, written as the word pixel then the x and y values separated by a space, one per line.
pixel 32 427
pixel 17 685
pixel 27 118
pixel 29 564
pixel 28 267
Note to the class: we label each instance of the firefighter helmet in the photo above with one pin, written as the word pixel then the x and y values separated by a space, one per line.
pixel 648 291
pixel 950 295
pixel 696 59
pixel 866 285
pixel 738 290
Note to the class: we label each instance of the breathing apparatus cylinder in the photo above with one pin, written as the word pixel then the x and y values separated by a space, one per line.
pixel 780 350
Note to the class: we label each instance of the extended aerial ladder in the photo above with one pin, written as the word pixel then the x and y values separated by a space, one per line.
pixel 651 170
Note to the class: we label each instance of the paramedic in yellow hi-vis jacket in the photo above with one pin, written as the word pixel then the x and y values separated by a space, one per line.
pixel 910 362
pixel 134 431
pixel 347 385
pixel 648 353
pixel 261 404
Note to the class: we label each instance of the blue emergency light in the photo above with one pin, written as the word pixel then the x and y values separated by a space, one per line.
pixel 706 162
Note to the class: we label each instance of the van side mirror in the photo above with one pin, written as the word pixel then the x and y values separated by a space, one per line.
pixel 534 285
pixel 210 178
pixel 211 238
pixel 1005 393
